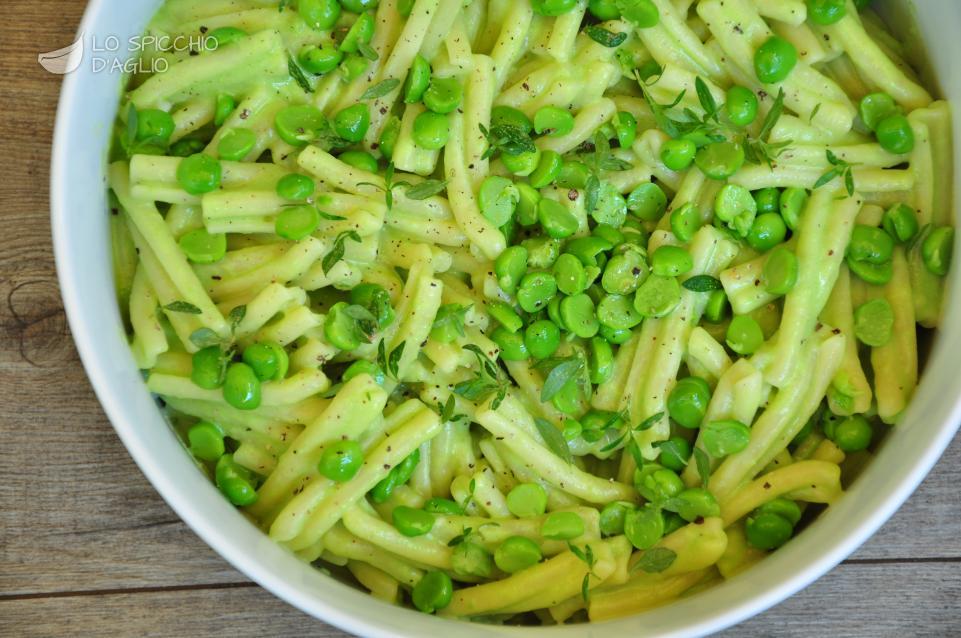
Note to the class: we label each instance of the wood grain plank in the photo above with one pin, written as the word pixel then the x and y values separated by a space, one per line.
pixel 854 600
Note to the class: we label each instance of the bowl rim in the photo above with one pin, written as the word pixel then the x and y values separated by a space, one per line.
pixel 903 480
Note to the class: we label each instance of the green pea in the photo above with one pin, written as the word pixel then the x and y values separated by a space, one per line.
pixel 610 208
pixel 234 482
pixel 340 328
pixel 523 164
pixel 609 234
pixel 547 170
pixel 696 503
pixel 675 453
pixel 269 360
pixel 199 174
pixel 767 231
pixel 206 441
pixel 641 13
pixel 357 6
pixel 362 366
pixel 570 275
pixel 154 124
pixel 768 200
pixel 735 206
pixel 774 60
pixel 767 531
pixel 600 361
pixel 786 509
pixel 320 59
pixel 418 79
pixel 793 201
pixel 536 290
pixel 389 136
pixel 877 274
pixel 562 526
pixel 588 249
pixel 497 199
pixel 236 144
pixel 542 338
pixel 577 312
pixel 444 506
pixel 644 527
pixel 780 271
pixel 527 499
pixel 431 130
pixel 937 249
pixel 574 174
pixel 376 300
pixel 853 434
pixel 685 221
pixel 353 66
pixel 671 261
pixel 901 222
pixel 826 11
pixel 624 273
pixel 717 307
pixel 341 461
pixel 319 14
pixel 726 437
pixel 412 522
pixel 509 116
pixel 618 312
pixel 875 107
pixel 553 121
pixel 432 592
pixel 572 430
pixel 295 187
pixel 517 553
pixel 470 559
pixel 874 322
pixel 744 335
pixel 397 476
pixel 359 159
pixel 552 8
pixel 542 252
pixel 511 344
pixel 556 219
pixel 299 125
pixel 241 387
pixel 647 201
pixel 510 267
pixel 359 33
pixel 678 154
pixel 352 122
pixel 297 222
pixel 657 296
pixel 208 368
pixel 720 160
pixel 613 518
pixel 604 9
pixel 870 244
pixel 202 247
pixel 224 36
pixel 526 210
pixel 186 147
pixel 443 95
pixel 895 134
pixel 625 126
pixel 741 105
pixel 687 402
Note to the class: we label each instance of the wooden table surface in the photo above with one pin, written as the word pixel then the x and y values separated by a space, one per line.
pixel 88 548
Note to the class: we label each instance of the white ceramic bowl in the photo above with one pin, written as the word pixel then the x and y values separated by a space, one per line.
pixel 87 108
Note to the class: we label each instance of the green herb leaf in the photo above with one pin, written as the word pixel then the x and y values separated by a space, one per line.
pixel 814 112
pixel 367 51
pixel 706 98
pixel 331 217
pixel 613 444
pixel 702 283
pixel 703 465
pixel 770 120
pixel 460 538
pixel 564 372
pixel 586 588
pixel 182 306
pixel 611 163
pixel 593 191
pixel 451 316
pixel 508 139
pixel 204 338
pixel 237 315
pixel 649 422
pixel 298 74
pixel 635 452
pixel 393 359
pixel 133 124
pixel 380 89
pixel 604 37
pixel 427 188
pixel 554 440
pixel 656 560
pixel 337 252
